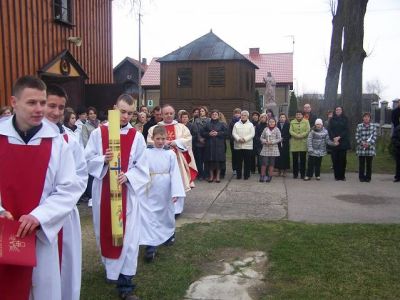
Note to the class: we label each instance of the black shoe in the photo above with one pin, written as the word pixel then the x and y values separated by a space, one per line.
pixel 396 180
pixel 150 253
pixel 238 177
pixel 170 241
pixel 368 180
pixel 111 281
pixel 295 176
pixel 362 179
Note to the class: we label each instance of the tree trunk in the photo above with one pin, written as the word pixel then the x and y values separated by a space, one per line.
pixel 353 59
pixel 335 58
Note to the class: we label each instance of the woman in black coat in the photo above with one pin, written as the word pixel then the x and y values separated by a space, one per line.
pixel 283 161
pixel 339 132
pixel 214 134
pixel 257 142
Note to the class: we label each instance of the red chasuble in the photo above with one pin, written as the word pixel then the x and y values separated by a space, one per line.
pixel 23 171
pixel 172 136
pixel 107 249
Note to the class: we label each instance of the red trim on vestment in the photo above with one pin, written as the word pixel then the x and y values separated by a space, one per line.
pixel 107 249
pixel 23 171
pixel 171 135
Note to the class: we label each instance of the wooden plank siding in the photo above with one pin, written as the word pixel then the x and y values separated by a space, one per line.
pixel 31 39
pixel 233 94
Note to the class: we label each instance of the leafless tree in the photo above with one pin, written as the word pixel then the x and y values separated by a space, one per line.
pixel 374 87
pixel 335 56
pixel 353 60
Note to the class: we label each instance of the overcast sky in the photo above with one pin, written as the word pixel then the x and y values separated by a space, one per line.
pixel 269 25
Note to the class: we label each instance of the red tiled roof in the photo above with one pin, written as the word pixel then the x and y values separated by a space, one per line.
pixel 152 75
pixel 279 64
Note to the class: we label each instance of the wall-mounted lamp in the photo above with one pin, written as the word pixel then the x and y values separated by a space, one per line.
pixel 75 40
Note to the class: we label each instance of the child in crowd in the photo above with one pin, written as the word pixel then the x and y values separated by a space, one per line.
pixel 270 138
pixel 317 140
pixel 365 138
pixel 157 211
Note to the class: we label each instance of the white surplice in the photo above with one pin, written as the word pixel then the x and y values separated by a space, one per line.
pixel 60 193
pixel 157 212
pixel 183 140
pixel 138 177
pixel 71 262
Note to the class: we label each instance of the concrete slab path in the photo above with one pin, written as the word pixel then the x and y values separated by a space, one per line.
pixel 325 201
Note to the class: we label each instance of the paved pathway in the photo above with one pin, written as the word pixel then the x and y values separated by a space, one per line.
pixel 326 201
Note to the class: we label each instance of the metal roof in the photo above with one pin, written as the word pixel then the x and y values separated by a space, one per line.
pixel 206 48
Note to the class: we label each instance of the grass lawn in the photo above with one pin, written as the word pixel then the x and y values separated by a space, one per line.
pixel 305 261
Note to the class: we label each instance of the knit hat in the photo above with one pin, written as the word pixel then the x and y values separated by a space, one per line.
pixel 319 121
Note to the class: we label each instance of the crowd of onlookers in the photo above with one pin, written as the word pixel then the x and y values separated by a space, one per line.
pixel 259 142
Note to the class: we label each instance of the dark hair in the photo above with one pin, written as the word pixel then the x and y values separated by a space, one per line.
pixel 159 130
pixel 126 98
pixel 271 112
pixel 4 108
pixel 299 112
pixel 366 114
pixel 156 108
pixel 334 112
pixel 214 111
pixel 56 90
pixel 67 115
pixel 81 110
pixel 24 82
pixel 91 108
pixel 205 109
pixel 237 111
pixel 194 109
pixel 184 113
pixel 255 113
pixel 102 116
pixel 283 114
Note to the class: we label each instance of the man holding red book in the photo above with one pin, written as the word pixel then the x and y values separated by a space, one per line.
pixel 38 188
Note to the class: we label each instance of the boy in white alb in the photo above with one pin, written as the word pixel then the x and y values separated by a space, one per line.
pixel 157 212
pixel 120 262
pixel 70 237
pixel 38 187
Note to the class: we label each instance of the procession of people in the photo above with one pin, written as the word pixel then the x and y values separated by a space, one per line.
pixel 61 157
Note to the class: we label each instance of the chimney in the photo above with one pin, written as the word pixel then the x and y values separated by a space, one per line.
pixel 144 61
pixel 254 51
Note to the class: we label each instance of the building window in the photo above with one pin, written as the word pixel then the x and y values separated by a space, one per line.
pixel 216 76
pixel 63 11
pixel 184 79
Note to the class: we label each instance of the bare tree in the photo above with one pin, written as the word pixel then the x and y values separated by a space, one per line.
pixel 353 59
pixel 335 56
pixel 374 87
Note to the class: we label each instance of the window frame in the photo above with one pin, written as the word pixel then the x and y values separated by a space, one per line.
pixel 57 5
pixel 216 76
pixel 184 77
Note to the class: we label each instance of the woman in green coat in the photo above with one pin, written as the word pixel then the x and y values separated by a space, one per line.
pixel 299 129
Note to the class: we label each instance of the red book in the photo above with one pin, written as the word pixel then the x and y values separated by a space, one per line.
pixel 13 250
